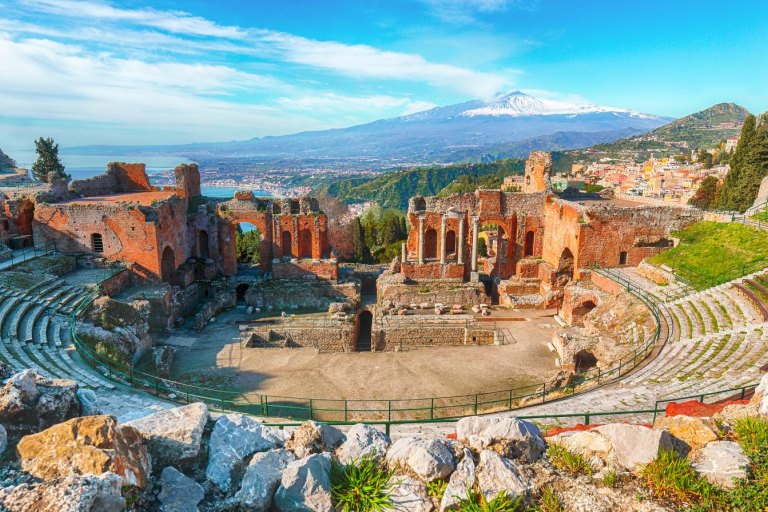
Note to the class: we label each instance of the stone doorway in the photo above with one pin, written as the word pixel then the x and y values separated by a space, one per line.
pixel 240 293
pixel 364 325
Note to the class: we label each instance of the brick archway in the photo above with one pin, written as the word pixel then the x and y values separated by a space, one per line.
pixel 430 244
pixel 168 265
pixel 305 243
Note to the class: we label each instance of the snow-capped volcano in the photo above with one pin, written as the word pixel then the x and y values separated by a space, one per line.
pixel 519 104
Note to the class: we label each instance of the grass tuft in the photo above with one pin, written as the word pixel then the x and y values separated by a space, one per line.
pixel 671 478
pixel 548 502
pixel 362 486
pixel 475 501
pixel 436 488
pixel 564 460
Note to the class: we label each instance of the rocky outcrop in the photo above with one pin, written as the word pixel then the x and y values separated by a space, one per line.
pixel 363 441
pixel 462 479
pixel 409 494
pixel 496 474
pixel 29 402
pixel 175 435
pixel 261 479
pixel 760 398
pixel 312 437
pixel 695 432
pixel 635 445
pixel 89 402
pixel 3 440
pixel 178 493
pixel 235 437
pixel 305 485
pixel 91 445
pixel 510 436
pixel 428 459
pixel 720 462
pixel 68 494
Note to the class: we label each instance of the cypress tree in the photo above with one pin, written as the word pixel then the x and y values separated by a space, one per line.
pixel 749 165
pixel 47 161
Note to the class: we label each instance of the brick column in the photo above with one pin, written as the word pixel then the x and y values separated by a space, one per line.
pixel 475 237
pixel 421 240
pixel 442 241
pixel 404 252
pixel 460 241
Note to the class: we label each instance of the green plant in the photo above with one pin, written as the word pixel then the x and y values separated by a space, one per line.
pixel 475 501
pixel 436 488
pixel 361 486
pixel 671 478
pixel 610 478
pixel 564 460
pixel 548 502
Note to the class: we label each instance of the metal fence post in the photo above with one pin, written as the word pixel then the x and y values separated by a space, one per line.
pixel 475 405
pixel 432 409
pixel 311 412
pixel 586 418
pixel 389 410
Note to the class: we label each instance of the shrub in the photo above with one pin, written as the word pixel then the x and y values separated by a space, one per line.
pixel 564 460
pixel 362 486
pixel 475 501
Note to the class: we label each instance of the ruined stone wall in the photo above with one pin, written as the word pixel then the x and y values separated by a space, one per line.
pixel 287 294
pixel 331 336
pixel 562 220
pixel 117 283
pixel 120 177
pixel 538 168
pixel 187 180
pixel 406 333
pixel 448 292
pixel 432 270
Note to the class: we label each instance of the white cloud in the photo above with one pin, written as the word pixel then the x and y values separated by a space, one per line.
pixel 464 11
pixel 172 21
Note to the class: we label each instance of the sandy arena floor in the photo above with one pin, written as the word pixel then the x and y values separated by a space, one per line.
pixel 424 372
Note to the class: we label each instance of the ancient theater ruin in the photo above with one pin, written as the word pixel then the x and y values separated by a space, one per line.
pixel 484 269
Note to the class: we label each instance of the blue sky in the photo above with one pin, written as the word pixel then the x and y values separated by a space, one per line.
pixel 161 71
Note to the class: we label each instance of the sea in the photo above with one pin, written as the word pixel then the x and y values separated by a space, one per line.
pixel 86 166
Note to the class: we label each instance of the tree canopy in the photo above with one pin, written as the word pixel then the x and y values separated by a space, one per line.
pixel 48 163
pixel 749 165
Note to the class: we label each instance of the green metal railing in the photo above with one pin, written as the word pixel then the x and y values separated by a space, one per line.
pixel 390 411
pixel 29 253
pixel 740 391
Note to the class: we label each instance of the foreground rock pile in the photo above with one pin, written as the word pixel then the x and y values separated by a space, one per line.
pixel 184 459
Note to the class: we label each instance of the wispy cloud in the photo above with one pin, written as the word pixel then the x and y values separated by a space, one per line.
pixel 465 11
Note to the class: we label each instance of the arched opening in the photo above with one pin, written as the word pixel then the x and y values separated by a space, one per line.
pixel 27 242
pixel 168 266
pixel 285 243
pixel 97 242
pixel 240 292
pixel 305 243
pixel 450 242
pixel 420 204
pixel 202 244
pixel 577 316
pixel 430 244
pixel 623 258
pixel 248 243
pixel 530 237
pixel 565 266
pixel 584 361
pixel 364 324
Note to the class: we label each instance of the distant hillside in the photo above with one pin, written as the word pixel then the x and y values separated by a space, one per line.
pixel 702 129
pixel 6 162
pixel 392 190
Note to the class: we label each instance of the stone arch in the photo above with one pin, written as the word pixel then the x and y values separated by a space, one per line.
pixel 420 204
pixel 305 242
pixel 623 258
pixel 202 244
pixel 364 329
pixel 580 311
pixel 240 292
pixel 566 262
pixel 450 242
pixel 286 243
pixel 430 244
pixel 168 265
pixel 584 361
pixel 530 238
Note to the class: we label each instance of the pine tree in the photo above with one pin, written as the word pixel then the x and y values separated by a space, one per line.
pixel 47 161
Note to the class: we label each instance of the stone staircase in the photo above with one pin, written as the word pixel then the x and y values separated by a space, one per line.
pixel 34 333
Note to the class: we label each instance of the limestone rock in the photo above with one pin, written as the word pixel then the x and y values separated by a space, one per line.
pixel 17 395
pixel 363 440
pixel 720 462
pixel 695 432
pixel 596 448
pixel 57 402
pixel 91 445
pixel 69 494
pixel 174 435
pixel 312 437
pixel 235 437
pixel 89 402
pixel 3 440
pixel 495 474
pixel 760 398
pixel 178 492
pixel 409 495
pixel 305 485
pixel 461 479
pixel 514 438
pixel 635 445
pixel 732 412
pixel 427 458
pixel 261 478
